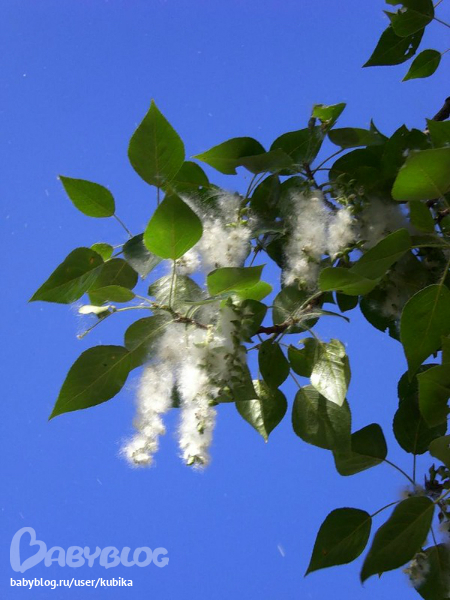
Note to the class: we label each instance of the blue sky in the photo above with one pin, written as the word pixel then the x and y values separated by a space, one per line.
pixel 77 77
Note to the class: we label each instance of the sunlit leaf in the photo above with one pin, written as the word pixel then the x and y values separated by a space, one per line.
pixel 265 412
pixel 173 229
pixel 72 278
pixel 96 376
pixel 156 151
pixel 424 65
pixel 90 198
pixel 330 375
pixel 320 422
pixel 425 318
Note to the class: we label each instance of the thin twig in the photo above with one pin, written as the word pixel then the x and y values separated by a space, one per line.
pixel 123 225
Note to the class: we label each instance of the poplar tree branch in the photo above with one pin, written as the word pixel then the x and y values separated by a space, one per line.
pixel 444 112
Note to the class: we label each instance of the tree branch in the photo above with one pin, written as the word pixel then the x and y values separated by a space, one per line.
pixel 444 113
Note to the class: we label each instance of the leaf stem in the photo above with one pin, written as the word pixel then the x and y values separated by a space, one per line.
pixel 173 282
pixel 132 308
pixel 158 199
pixel 84 334
pixel 247 194
pixel 295 379
pixel 112 310
pixel 444 495
pixel 433 536
pixel 384 508
pixel 123 225
pixel 144 299
pixel 441 22
pixel 414 468
pixel 399 470
pixel 329 158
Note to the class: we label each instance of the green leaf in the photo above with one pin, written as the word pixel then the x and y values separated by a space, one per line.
pixel 110 293
pixel 401 143
pixel 362 167
pixel 173 229
pixel 376 261
pixel 434 584
pixel 253 316
pixel 365 274
pixel 342 537
pixel 226 157
pixel 96 376
pixel 393 49
pixel 411 430
pixel 156 151
pixel 90 198
pixel 184 292
pixel 302 359
pixel 328 115
pixel 116 272
pixel 440 449
pixel 142 337
pixel 398 540
pixel 265 198
pixel 373 307
pixel 368 449
pixel 289 305
pixel 273 364
pixel 425 319
pixel 383 306
pixel 415 15
pixel 424 175
pixel 105 250
pixel 345 302
pixel 320 422
pixel 139 257
pixel 434 392
pixel 302 145
pixel 269 162
pixel 445 350
pixel 256 292
pixel 346 281
pixel 331 371
pixel 265 412
pixel 424 65
pixel 229 279
pixel 114 282
pixel 241 385
pixel 439 132
pixel 351 137
pixel 189 179
pixel 72 278
pixel 421 217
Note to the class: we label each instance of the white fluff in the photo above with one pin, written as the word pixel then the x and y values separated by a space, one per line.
pixel 418 569
pixel 154 399
pixel 340 231
pixel 198 361
pixel 380 218
pixel 197 416
pixel 226 236
pixel 308 239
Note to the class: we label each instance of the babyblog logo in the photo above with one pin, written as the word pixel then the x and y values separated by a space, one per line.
pixel 76 556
